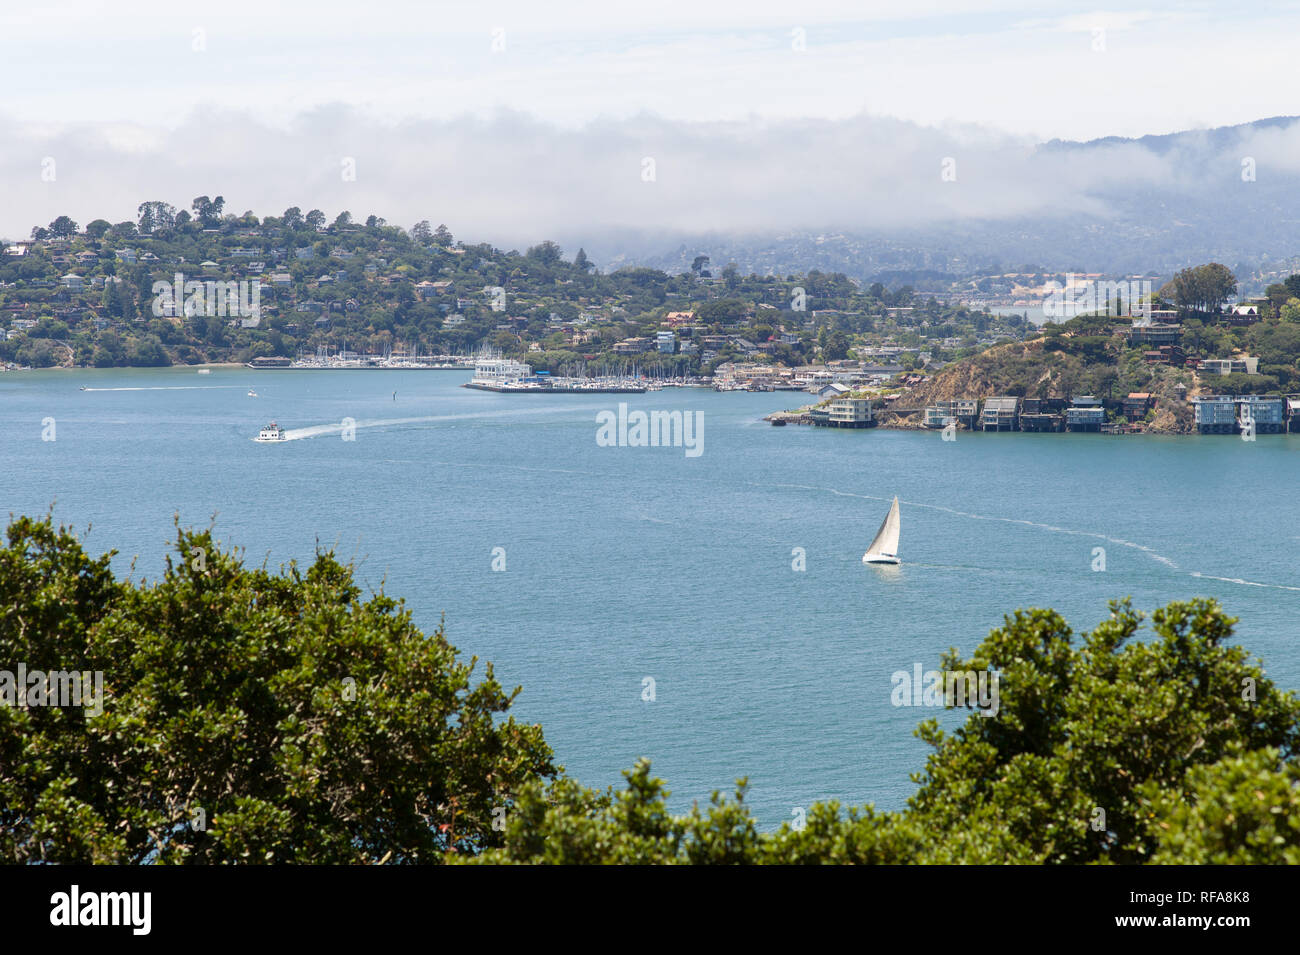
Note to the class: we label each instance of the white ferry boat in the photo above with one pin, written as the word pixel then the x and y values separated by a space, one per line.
pixel 272 432
pixel 494 372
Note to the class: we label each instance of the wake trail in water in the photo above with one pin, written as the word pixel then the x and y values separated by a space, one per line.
pixel 1119 542
pixel 316 430
pixel 1051 528
pixel 1244 583
pixel 167 388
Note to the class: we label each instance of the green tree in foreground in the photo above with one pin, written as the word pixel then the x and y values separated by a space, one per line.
pixel 247 717
pixel 1106 749
pixel 259 717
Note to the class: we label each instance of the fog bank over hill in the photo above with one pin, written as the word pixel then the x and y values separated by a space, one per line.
pixel 1158 203
pixel 860 195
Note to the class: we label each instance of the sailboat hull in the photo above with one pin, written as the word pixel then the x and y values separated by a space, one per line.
pixel 878 559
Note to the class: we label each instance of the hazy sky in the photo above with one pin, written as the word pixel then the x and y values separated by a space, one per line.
pixel 264 103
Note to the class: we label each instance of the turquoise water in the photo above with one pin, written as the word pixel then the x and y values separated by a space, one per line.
pixel 624 563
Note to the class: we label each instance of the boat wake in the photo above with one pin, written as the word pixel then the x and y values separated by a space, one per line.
pixel 1244 583
pixel 318 430
pixel 1051 528
pixel 167 388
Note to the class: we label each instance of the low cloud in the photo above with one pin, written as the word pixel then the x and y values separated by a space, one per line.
pixel 513 179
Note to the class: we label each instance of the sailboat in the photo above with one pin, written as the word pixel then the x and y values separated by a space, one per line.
pixel 884 546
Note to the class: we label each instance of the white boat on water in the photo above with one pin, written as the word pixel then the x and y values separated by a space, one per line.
pixel 884 547
pixel 205 371
pixel 252 394
pixel 272 432
pixel 493 371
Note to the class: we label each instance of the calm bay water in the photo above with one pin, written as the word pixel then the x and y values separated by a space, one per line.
pixel 626 563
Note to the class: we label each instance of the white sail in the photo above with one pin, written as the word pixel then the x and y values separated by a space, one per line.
pixel 884 547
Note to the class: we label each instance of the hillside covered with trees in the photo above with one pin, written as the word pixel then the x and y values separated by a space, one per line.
pixel 74 295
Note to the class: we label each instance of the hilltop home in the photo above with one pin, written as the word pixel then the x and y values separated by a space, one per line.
pixel 427 290
pixel 1155 334
pixel 632 346
pixel 1245 314
pixel 1165 355
pixel 1229 366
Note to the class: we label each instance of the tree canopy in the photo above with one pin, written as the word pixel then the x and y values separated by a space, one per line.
pixel 1106 748
pixel 1203 288
pixel 254 716
pixel 248 716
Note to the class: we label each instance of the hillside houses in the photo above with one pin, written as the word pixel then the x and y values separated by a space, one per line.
pixel 1154 335
pixel 1000 414
pixel 1213 414
pixel 1136 405
pixel 322 287
pixel 1085 413
pixel 1229 366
